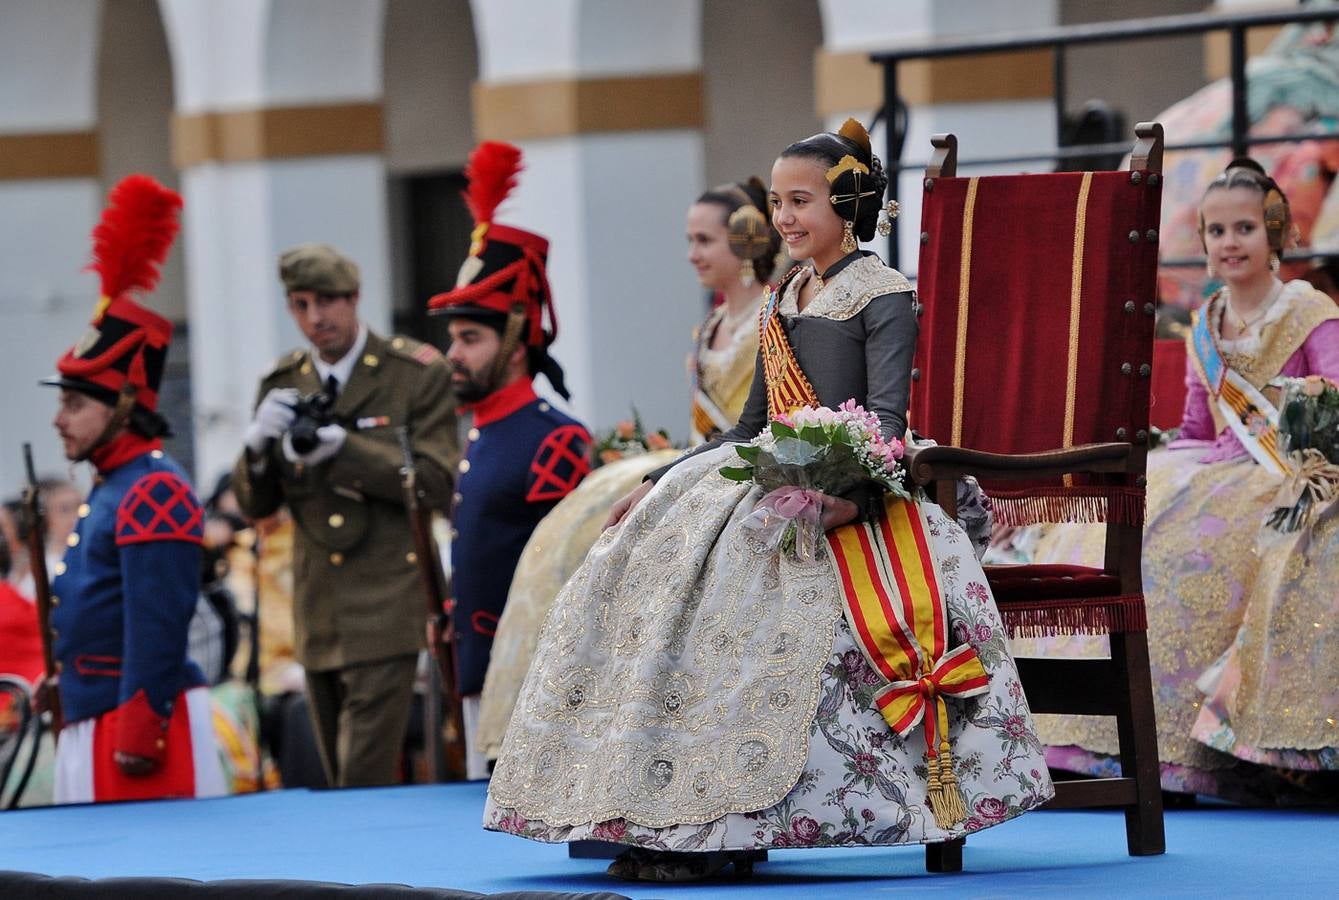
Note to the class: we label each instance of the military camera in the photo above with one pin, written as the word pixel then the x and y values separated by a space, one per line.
pixel 310 413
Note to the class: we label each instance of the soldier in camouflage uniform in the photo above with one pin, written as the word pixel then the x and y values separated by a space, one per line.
pixel 357 600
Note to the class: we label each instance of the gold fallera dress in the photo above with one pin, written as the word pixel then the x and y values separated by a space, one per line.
pixel 1243 621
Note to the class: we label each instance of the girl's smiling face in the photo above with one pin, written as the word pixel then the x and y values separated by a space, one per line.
pixel 1234 234
pixel 802 212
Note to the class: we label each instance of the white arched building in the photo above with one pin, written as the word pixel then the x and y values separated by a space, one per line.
pixel 349 121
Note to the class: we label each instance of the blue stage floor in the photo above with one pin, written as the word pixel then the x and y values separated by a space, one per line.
pixel 430 836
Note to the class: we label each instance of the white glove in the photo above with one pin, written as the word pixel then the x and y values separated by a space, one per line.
pixel 273 417
pixel 331 439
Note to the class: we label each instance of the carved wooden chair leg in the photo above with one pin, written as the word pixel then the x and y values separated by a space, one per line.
pixel 1138 733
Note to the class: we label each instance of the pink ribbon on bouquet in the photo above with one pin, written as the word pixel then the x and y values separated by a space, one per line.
pixel 787 507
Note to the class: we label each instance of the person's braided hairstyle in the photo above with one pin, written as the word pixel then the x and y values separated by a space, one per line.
pixel 830 148
pixel 1244 172
pixel 731 197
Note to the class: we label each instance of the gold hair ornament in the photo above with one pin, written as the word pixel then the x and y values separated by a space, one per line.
pixel 847 163
pixel 852 130
pixel 890 211
pixel 748 235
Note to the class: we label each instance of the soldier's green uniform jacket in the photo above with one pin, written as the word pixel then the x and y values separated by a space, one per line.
pixel 357 596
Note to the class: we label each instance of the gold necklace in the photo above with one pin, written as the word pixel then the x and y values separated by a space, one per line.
pixel 1243 324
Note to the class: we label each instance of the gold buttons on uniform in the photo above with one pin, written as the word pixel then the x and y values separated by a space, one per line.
pixel 337 559
pixel 397 343
pixel 72 540
pixel 157 454
pixel 336 520
pixel 55 601
pixel 55 635
pixel 454 534
pixel 60 568
pixel 84 510
pixel 464 467
pixel 371 360
pixel 59 666
pixel 457 497
pixel 306 368
pixel 544 407
pixel 411 557
pixel 160 743
pixel 473 434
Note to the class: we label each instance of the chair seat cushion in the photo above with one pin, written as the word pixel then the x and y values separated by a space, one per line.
pixel 1039 583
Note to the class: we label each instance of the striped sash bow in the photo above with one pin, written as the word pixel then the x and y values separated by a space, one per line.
pixel 896 610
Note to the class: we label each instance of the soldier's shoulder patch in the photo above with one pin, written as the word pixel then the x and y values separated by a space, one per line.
pixel 562 460
pixel 160 506
pixel 420 352
pixel 289 360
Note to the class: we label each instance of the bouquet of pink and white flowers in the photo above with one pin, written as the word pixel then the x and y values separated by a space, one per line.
pixel 807 453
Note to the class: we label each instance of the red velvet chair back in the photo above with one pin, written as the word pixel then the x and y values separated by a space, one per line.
pixel 1037 329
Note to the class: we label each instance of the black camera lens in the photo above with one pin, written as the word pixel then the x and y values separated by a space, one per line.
pixel 302 435
pixel 310 413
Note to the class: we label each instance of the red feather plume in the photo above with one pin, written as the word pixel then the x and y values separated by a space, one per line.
pixel 136 231
pixel 491 173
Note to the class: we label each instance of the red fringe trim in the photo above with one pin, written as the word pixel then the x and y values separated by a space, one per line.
pixel 1088 503
pixel 1048 618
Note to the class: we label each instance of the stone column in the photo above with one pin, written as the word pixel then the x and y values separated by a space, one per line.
pixel 49 202
pixel 605 100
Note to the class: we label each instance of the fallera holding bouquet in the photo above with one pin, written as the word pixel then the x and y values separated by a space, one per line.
pixel 698 692
pixel 804 455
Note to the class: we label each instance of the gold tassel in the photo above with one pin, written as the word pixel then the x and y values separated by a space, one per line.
pixel 935 791
pixel 945 797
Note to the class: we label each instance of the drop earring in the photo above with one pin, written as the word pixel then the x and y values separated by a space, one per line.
pixel 746 273
pixel 848 237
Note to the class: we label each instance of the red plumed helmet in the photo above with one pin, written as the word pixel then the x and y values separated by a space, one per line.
pixel 125 347
pixel 506 266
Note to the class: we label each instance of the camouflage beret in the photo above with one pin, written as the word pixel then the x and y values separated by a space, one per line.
pixel 318 267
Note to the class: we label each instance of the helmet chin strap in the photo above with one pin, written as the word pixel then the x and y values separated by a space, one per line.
pixel 125 403
pixel 511 336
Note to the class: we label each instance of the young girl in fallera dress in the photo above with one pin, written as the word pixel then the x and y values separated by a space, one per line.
pixel 698 694
pixel 1243 620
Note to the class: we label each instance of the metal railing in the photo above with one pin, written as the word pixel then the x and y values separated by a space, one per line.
pixel 1058 40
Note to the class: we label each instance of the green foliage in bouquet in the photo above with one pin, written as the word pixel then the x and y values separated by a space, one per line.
pixel 825 459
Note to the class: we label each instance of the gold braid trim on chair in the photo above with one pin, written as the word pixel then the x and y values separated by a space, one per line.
pixel 1083 503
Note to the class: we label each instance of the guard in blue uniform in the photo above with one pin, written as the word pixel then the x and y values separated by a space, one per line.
pixel 523 456
pixel 138 721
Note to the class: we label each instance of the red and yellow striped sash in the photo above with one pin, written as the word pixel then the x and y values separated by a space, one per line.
pixel 1249 413
pixel 788 388
pixel 896 610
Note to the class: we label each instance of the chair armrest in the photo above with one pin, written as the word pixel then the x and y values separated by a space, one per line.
pixel 929 464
